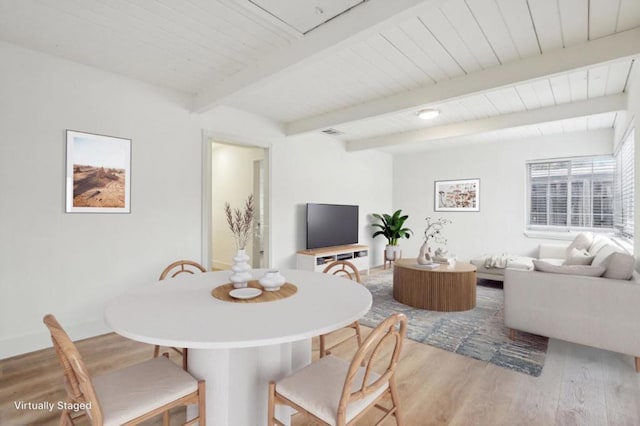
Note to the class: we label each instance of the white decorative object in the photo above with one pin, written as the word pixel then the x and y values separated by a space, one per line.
pixel 245 293
pixel 241 270
pixel 272 280
pixel 443 257
pixel 424 257
pixel 432 231
pixel 240 225
pixel 430 266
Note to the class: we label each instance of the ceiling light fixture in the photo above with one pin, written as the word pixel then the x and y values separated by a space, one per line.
pixel 428 114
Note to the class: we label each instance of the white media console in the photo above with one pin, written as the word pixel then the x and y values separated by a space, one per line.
pixel 317 259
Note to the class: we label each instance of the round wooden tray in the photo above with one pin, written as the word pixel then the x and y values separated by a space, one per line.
pixel 222 293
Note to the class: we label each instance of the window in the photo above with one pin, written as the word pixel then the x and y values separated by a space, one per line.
pixel 623 219
pixel 571 194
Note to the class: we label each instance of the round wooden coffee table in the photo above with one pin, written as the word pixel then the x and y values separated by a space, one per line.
pixel 447 288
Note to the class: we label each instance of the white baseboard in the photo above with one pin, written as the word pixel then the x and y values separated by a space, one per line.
pixel 220 265
pixel 19 345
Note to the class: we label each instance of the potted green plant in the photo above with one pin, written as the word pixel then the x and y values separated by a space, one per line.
pixel 392 228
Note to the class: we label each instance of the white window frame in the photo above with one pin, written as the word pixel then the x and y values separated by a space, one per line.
pixel 625 181
pixel 557 231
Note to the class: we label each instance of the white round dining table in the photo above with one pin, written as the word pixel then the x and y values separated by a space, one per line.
pixel 237 348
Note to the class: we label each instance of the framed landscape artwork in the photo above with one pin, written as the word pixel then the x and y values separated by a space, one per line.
pixel 98 174
pixel 461 195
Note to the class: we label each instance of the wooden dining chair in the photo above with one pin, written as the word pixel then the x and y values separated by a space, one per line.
pixel 181 267
pixel 346 269
pixel 171 271
pixel 337 392
pixel 123 397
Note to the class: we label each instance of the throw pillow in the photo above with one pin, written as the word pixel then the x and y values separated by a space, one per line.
pixel 579 257
pixel 583 270
pixel 582 241
pixel 620 266
pixel 599 241
pixel 602 258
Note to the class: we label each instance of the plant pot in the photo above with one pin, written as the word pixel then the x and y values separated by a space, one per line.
pixel 392 252
pixel 241 270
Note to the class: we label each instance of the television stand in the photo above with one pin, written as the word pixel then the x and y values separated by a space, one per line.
pixel 318 259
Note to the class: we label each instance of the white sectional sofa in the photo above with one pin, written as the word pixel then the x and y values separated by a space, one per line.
pixel 590 310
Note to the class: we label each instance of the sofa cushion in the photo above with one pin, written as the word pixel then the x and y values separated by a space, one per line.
pixel 620 266
pixel 582 241
pixel 602 258
pixel 599 241
pixel 552 261
pixel 585 270
pixel 579 257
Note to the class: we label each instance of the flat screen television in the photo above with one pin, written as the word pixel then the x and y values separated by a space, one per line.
pixel 331 225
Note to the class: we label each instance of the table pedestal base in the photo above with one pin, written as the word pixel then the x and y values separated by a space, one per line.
pixel 238 378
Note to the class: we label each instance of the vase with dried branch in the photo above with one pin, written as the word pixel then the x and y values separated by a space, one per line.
pixel 239 222
pixel 432 232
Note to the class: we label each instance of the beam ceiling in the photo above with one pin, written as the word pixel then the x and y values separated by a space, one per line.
pixel 603 104
pixel 342 30
pixel 614 47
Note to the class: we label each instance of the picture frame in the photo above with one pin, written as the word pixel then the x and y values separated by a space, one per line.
pixel 98 173
pixel 461 195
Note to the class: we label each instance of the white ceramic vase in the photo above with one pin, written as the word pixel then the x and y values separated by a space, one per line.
pixel 424 257
pixel 272 280
pixel 241 270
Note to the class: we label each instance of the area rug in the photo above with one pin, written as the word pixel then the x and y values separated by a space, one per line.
pixel 479 333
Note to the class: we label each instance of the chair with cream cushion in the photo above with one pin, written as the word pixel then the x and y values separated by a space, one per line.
pixel 348 270
pixel 127 396
pixel 338 392
pixel 171 271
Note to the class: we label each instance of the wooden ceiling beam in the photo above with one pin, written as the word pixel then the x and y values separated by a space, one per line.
pixel 607 49
pixel 365 20
pixel 594 106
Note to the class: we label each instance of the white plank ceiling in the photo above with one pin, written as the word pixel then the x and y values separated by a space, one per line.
pixel 199 46
pixel 177 44
pixel 577 86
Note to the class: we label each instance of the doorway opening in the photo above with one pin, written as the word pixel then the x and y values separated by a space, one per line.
pixel 234 173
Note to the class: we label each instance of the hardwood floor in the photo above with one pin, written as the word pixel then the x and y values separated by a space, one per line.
pixel 578 386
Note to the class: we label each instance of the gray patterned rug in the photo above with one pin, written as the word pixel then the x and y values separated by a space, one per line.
pixel 479 333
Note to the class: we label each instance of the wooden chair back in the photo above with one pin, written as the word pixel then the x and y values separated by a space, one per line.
pixel 171 271
pixel 78 382
pixel 382 346
pixel 343 268
pixel 182 267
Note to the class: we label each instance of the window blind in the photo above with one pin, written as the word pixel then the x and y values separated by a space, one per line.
pixel 575 193
pixel 624 200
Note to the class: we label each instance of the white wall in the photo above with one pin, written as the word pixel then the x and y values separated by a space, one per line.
pixel 232 182
pixel 499 225
pixel 317 169
pixel 231 125
pixel 72 264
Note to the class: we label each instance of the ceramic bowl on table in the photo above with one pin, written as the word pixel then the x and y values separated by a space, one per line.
pixel 272 280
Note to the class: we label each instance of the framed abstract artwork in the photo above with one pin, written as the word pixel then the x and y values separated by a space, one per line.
pixel 462 195
pixel 98 173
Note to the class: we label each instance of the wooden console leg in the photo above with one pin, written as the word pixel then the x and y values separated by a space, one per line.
pixel 637 364
pixel 512 334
